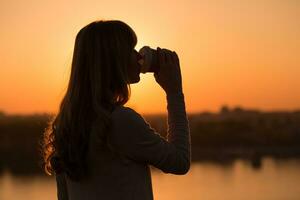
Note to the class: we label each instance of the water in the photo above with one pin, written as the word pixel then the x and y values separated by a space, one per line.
pixel 276 179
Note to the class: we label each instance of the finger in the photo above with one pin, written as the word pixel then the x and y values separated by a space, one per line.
pixel 160 55
pixel 170 56
pixel 175 57
pixel 167 56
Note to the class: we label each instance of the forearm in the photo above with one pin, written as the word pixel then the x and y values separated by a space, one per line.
pixel 178 125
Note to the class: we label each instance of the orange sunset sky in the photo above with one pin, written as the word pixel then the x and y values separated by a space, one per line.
pixel 234 52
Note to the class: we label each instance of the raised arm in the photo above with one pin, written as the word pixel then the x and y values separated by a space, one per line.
pixel 134 138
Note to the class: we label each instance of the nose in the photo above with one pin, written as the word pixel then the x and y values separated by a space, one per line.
pixel 139 56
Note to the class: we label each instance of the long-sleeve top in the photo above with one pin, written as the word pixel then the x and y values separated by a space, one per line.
pixel 120 171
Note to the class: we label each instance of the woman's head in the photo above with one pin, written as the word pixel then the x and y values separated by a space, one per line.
pixel 104 64
pixel 103 59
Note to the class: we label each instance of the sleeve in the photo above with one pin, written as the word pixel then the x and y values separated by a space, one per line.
pixel 61 185
pixel 133 137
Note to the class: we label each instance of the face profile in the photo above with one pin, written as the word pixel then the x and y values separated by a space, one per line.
pixel 134 68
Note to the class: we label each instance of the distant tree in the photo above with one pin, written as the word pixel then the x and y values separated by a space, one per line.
pixel 238 109
pixel 224 109
pixel 2 113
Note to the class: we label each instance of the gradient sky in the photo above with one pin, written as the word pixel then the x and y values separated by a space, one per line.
pixel 238 53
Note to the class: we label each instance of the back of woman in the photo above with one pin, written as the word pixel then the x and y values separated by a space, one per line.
pixel 97 147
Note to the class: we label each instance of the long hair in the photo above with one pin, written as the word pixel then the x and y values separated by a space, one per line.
pixel 98 83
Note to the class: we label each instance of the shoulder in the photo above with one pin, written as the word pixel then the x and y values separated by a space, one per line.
pixel 128 121
pixel 127 126
pixel 125 113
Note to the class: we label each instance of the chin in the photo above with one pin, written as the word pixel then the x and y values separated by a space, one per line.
pixel 135 80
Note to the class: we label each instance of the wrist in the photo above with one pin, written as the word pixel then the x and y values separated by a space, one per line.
pixel 176 92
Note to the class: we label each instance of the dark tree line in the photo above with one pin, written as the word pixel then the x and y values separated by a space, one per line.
pixel 229 132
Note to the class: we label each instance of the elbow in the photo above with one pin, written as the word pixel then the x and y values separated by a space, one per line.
pixel 181 166
pixel 185 165
pixel 180 170
pixel 184 169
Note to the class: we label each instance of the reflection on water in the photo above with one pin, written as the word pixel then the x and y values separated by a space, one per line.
pixel 275 179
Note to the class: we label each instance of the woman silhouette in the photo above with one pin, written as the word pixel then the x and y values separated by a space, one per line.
pixel 96 147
